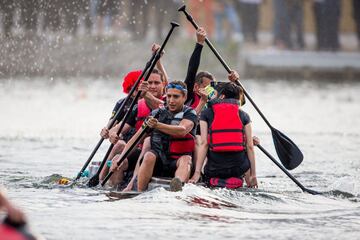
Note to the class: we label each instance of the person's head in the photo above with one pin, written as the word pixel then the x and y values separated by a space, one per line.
pixel 130 79
pixel 156 83
pixel 202 80
pixel 230 90
pixel 176 93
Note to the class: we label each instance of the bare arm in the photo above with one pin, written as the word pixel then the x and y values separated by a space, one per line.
pixel 128 145
pixel 161 68
pixel 13 212
pixel 113 137
pixel 152 101
pixel 146 147
pixel 200 159
pixel 155 47
pixel 181 130
pixel 251 154
pixel 203 101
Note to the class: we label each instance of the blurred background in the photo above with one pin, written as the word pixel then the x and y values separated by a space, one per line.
pixel 259 38
pixel 61 69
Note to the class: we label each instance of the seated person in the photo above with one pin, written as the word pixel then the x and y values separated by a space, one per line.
pixel 227 141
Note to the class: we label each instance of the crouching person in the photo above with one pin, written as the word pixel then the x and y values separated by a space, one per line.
pixel 226 139
pixel 172 141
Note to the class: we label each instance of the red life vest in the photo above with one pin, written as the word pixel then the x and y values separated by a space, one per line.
pixel 196 101
pixel 11 233
pixel 226 132
pixel 143 111
pixel 180 146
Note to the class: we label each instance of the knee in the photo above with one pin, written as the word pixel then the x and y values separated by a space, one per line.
pixel 149 158
pixel 184 161
pixel 123 165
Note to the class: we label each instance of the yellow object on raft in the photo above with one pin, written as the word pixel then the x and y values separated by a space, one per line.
pixel 63 181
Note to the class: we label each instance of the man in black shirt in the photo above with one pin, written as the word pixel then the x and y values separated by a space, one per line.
pixel 172 141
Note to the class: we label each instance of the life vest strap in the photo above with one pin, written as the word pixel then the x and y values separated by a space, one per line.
pixel 181 139
pixel 180 154
pixel 227 144
pixel 226 130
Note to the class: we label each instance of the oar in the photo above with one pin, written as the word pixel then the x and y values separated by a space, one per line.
pixel 94 181
pixel 126 154
pixel 289 154
pixel 286 172
pixel 119 112
pixel 145 130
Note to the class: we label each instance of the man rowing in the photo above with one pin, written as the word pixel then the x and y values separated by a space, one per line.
pixel 142 110
pixel 226 141
pixel 172 139
pixel 128 82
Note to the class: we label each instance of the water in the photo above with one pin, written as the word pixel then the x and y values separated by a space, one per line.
pixel 50 127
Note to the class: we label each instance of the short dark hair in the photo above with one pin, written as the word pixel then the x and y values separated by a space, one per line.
pixel 156 71
pixel 199 77
pixel 231 90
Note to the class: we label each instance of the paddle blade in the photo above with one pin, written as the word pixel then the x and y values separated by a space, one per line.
pixel 94 181
pixel 289 154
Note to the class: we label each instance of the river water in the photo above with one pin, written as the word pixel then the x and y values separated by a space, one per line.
pixel 50 126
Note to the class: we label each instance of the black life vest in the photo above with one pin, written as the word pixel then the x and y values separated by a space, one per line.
pixel 226 132
pixel 180 146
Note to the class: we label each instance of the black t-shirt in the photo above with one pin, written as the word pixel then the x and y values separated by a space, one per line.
pixel 132 118
pixel 118 105
pixel 132 131
pixel 223 160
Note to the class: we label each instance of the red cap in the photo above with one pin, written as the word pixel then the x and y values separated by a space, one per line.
pixel 130 79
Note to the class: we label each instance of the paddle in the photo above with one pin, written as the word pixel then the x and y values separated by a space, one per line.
pixel 126 154
pixel 94 181
pixel 119 112
pixel 289 154
pixel 286 172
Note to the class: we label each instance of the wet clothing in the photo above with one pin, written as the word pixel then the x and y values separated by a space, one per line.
pixel 161 142
pixel 225 164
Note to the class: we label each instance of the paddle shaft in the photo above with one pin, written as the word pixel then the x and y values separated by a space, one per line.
pixel 125 155
pixel 285 171
pixel 116 116
pixel 191 20
pixel 126 117
pixel 157 56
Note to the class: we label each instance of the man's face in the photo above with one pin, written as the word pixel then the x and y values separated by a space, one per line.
pixel 205 82
pixel 175 99
pixel 156 86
